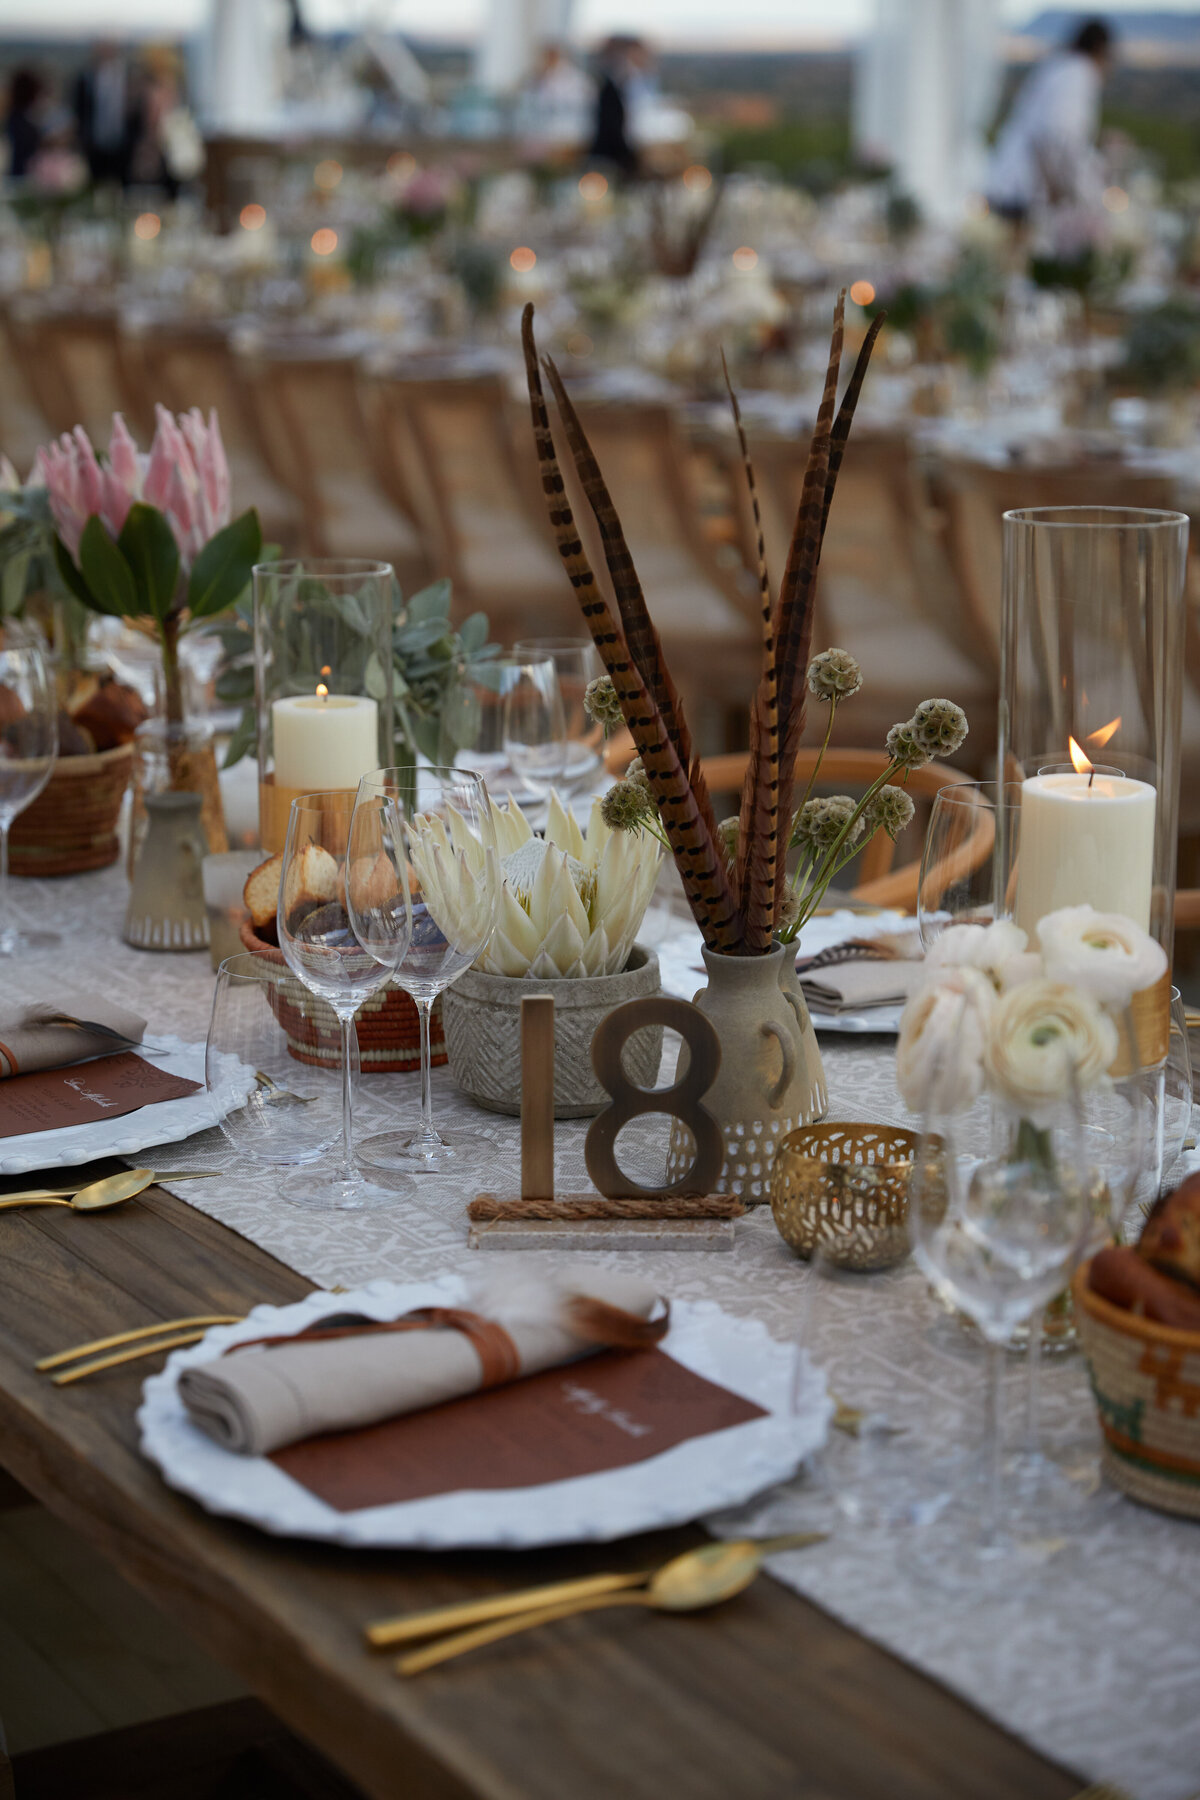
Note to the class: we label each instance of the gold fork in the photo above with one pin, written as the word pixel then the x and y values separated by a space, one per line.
pixel 179 1332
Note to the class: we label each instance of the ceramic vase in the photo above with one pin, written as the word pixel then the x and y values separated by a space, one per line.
pixel 482 1017
pixel 771 1079
pixel 166 908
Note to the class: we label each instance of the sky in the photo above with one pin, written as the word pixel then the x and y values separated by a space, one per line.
pixel 751 21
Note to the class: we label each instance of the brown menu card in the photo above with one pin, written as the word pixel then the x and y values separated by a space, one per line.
pixel 106 1088
pixel 604 1412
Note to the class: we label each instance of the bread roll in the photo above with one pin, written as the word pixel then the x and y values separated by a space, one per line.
pixel 261 892
pixel 1171 1235
pixel 1123 1277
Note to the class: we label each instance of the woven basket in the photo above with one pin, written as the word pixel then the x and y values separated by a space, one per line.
pixel 72 825
pixel 389 1029
pixel 1146 1380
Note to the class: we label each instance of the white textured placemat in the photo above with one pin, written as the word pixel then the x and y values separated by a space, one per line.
pixel 1098 1667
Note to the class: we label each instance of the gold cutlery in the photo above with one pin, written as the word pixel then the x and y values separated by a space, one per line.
pixel 698 1578
pixel 111 1190
pixel 180 1332
pixel 527 1601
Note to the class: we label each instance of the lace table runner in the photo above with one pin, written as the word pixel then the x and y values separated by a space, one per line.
pixel 1097 1665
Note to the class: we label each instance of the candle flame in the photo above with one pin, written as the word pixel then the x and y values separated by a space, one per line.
pixel 1101 737
pixel 1083 763
pixel 323 693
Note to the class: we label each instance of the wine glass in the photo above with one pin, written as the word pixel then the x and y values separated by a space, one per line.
pixel 576 663
pixel 1000 1209
pixel 969 861
pixel 28 746
pixel 491 694
pixel 323 952
pixel 443 849
pixel 278 1105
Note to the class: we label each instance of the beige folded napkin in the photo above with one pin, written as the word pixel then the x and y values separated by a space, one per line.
pixel 49 1035
pixel 258 1398
pixel 862 973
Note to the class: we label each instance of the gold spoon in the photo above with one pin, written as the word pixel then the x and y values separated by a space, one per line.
pixel 698 1578
pixel 111 1190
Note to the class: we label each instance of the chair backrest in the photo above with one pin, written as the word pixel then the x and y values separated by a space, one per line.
pixel 884 549
pixel 976 497
pixel 83 378
pixel 317 438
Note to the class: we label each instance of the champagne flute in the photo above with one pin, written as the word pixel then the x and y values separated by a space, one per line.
pixel 576 663
pixel 534 727
pixel 28 747
pixel 969 860
pixel 443 849
pixel 323 952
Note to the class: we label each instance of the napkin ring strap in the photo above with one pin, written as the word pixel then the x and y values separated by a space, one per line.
pixel 14 1067
pixel 498 1356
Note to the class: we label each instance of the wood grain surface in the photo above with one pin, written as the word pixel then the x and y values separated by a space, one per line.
pixel 764 1698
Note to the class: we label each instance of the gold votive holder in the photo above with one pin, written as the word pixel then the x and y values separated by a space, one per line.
pixel 842 1188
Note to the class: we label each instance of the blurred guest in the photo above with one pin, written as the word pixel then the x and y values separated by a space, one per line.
pixel 159 113
pixel 555 106
pixel 1046 154
pixel 622 62
pixel 105 114
pixel 24 124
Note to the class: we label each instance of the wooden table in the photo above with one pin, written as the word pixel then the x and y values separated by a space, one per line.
pixel 764 1698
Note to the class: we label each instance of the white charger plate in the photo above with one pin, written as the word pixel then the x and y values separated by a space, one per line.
pixel 166 1122
pixel 694 1478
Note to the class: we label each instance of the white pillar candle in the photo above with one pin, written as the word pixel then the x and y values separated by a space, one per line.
pixel 1085 841
pixel 324 741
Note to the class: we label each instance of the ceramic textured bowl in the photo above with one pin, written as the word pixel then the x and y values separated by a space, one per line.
pixel 482 1019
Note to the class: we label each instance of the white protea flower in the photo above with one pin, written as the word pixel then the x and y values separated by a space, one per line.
pixel 452 866
pixel 572 902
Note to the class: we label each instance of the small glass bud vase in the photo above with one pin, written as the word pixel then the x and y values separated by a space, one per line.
pixel 176 758
pixel 322 680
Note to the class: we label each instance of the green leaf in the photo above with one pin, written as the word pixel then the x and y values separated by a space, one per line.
pixel 234 686
pixel 374 680
pixel 472 633
pixel 243 739
pixel 432 602
pixel 71 577
pixel 108 577
pixel 223 568
pixel 148 545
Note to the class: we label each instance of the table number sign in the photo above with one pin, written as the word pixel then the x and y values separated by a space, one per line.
pixel 683 1212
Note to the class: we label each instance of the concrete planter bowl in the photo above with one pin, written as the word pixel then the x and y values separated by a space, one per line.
pixel 482 1019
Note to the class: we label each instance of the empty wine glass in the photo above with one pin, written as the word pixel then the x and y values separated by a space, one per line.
pixel 969 861
pixel 576 663
pixel 491 695
pixel 1000 1210
pixel 28 747
pixel 278 1104
pixel 321 949
pixel 443 851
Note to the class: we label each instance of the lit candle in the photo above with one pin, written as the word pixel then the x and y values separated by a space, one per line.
pixel 1087 838
pixel 324 741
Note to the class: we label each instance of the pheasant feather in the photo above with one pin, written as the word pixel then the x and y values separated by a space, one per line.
pixel 693 844
pixel 759 860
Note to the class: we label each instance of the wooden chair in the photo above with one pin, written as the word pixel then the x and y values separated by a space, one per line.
pixel 81 375
pixel 450 449
pixel 976 497
pixel 185 364
pixel 877 880
pixel 886 590
pixel 318 444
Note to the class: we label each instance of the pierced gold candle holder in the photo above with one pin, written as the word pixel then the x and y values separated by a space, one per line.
pixel 843 1189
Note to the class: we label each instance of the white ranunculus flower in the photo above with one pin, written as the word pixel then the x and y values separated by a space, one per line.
pixel 943 1031
pixel 1045 1040
pixel 984 947
pixel 1106 954
pixel 1020 969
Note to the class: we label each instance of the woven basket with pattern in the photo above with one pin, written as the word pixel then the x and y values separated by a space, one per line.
pixel 389 1030
pixel 72 825
pixel 1146 1380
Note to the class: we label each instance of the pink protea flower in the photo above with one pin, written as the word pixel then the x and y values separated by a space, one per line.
pixel 185 475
